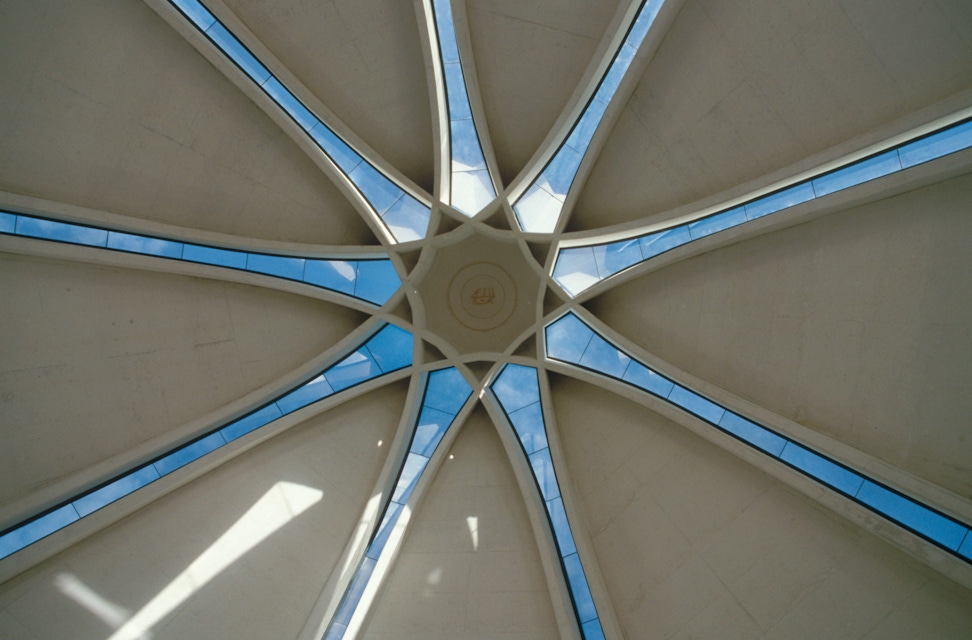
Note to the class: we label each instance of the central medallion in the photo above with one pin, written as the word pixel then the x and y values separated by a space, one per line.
pixel 482 296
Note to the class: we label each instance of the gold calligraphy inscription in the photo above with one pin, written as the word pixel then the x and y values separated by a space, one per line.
pixel 483 295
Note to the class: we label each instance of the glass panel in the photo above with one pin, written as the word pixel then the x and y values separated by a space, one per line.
pixel 879 165
pixel 190 452
pixel 36 529
pixel 661 241
pixel 246 424
pixel 612 79
pixel 789 197
pixel 937 145
pixel 432 425
pixel 472 191
pixel 942 530
pixel 716 223
pixel 337 150
pixel 407 219
pixel 8 222
pixel 822 469
pixel 576 269
pixel 289 103
pixel 567 339
pixel 380 192
pixel 447 391
pixel 196 13
pixel 145 245
pixel 237 52
pixel 391 348
pixel 617 256
pixel 516 387
pixel 604 357
pixel 308 393
pixel 290 268
pixel 211 255
pixel 592 630
pixel 641 376
pixel 583 600
pixel 388 522
pixel 696 404
pixel 336 275
pixel 538 211
pixel 336 631
pixel 752 433
pixel 115 490
pixel 466 152
pixel 446 30
pixel 559 174
pixel 644 21
pixel 561 527
pixel 51 230
pixel 355 589
pixel 356 368
pixel 411 472
pixel 966 548
pixel 583 132
pixel 543 471
pixel 456 92
pixel 528 424
pixel 377 281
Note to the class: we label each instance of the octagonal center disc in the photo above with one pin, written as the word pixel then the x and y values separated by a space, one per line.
pixel 482 296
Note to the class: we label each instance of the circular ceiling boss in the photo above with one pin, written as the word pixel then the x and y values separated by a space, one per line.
pixel 482 296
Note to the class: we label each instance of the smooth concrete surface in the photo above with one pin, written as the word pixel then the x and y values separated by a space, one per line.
pixel 271 568
pixel 469 566
pixel 530 56
pixel 858 324
pixel 740 89
pixel 98 360
pixel 106 106
pixel 375 79
pixel 695 543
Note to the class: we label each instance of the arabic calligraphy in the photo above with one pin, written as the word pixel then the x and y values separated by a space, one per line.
pixel 483 295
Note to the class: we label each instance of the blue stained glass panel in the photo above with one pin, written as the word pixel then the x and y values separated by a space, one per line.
pixel 377 281
pixel 583 600
pixel 516 387
pixel 661 241
pixel 870 169
pixel 251 422
pixel 306 394
pixel 8 222
pixel 942 530
pixel 752 433
pixel 561 527
pixel 336 275
pixel 529 427
pixel 280 266
pixel 641 376
pixel 950 140
pixel 237 52
pixel 604 357
pixel 822 469
pixel 145 245
pixel 214 256
pixel 543 471
pixel 567 339
pixel 181 457
pixel 115 490
pixel 289 103
pixel 391 348
pixel 63 231
pixel 694 403
pixel 784 199
pixel 447 390
pixel 966 548
pixel 34 530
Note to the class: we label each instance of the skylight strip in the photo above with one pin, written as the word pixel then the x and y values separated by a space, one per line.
pixel 446 392
pixel 580 267
pixel 564 339
pixel 517 388
pixel 539 209
pixel 470 187
pixel 385 351
pixel 399 212
pixel 371 280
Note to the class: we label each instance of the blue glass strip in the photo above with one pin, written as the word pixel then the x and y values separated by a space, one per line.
pixel 646 17
pixel 537 211
pixel 336 275
pixel 115 490
pixel 950 140
pixel 662 241
pixel 411 472
pixel 529 426
pixel 456 92
pixel 391 348
pixel 567 339
pixel 583 132
pixel 583 600
pixel 717 223
pixel 214 256
pixel 250 422
pixel 196 13
pixel 62 231
pixel 336 149
pixel 407 219
pixel 308 393
pixel 783 199
pixel 543 471
pixel 445 28
pixel 612 79
pixel 290 104
pixel 353 595
pixel 189 453
pixel 592 630
pixel 617 256
pixel 432 425
pixel 447 391
pixel 935 526
pixel 378 190
pixel 516 387
pixel 643 377
pixel 144 244
pixel 559 175
pixel 336 631
pixel 604 357
pixel 966 548
pixel 821 468
pixel 752 433
pixel 561 527
pixel 576 269
pixel 34 530
pixel 467 155
pixel 388 523
pixel 279 266
pixel 694 403
pixel 377 281
pixel 357 367
pixel 8 222
pixel 857 173
pixel 238 53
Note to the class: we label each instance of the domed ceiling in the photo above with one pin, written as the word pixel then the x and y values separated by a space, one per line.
pixel 485 319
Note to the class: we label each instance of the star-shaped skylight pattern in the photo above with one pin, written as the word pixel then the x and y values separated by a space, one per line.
pixel 564 337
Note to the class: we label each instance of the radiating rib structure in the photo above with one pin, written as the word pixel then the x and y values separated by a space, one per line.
pixel 572 341
pixel 402 215
pixel 387 350
pixel 539 209
pixel 371 279
pixel 582 265
pixel 517 389
pixel 468 185
pixel 445 393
